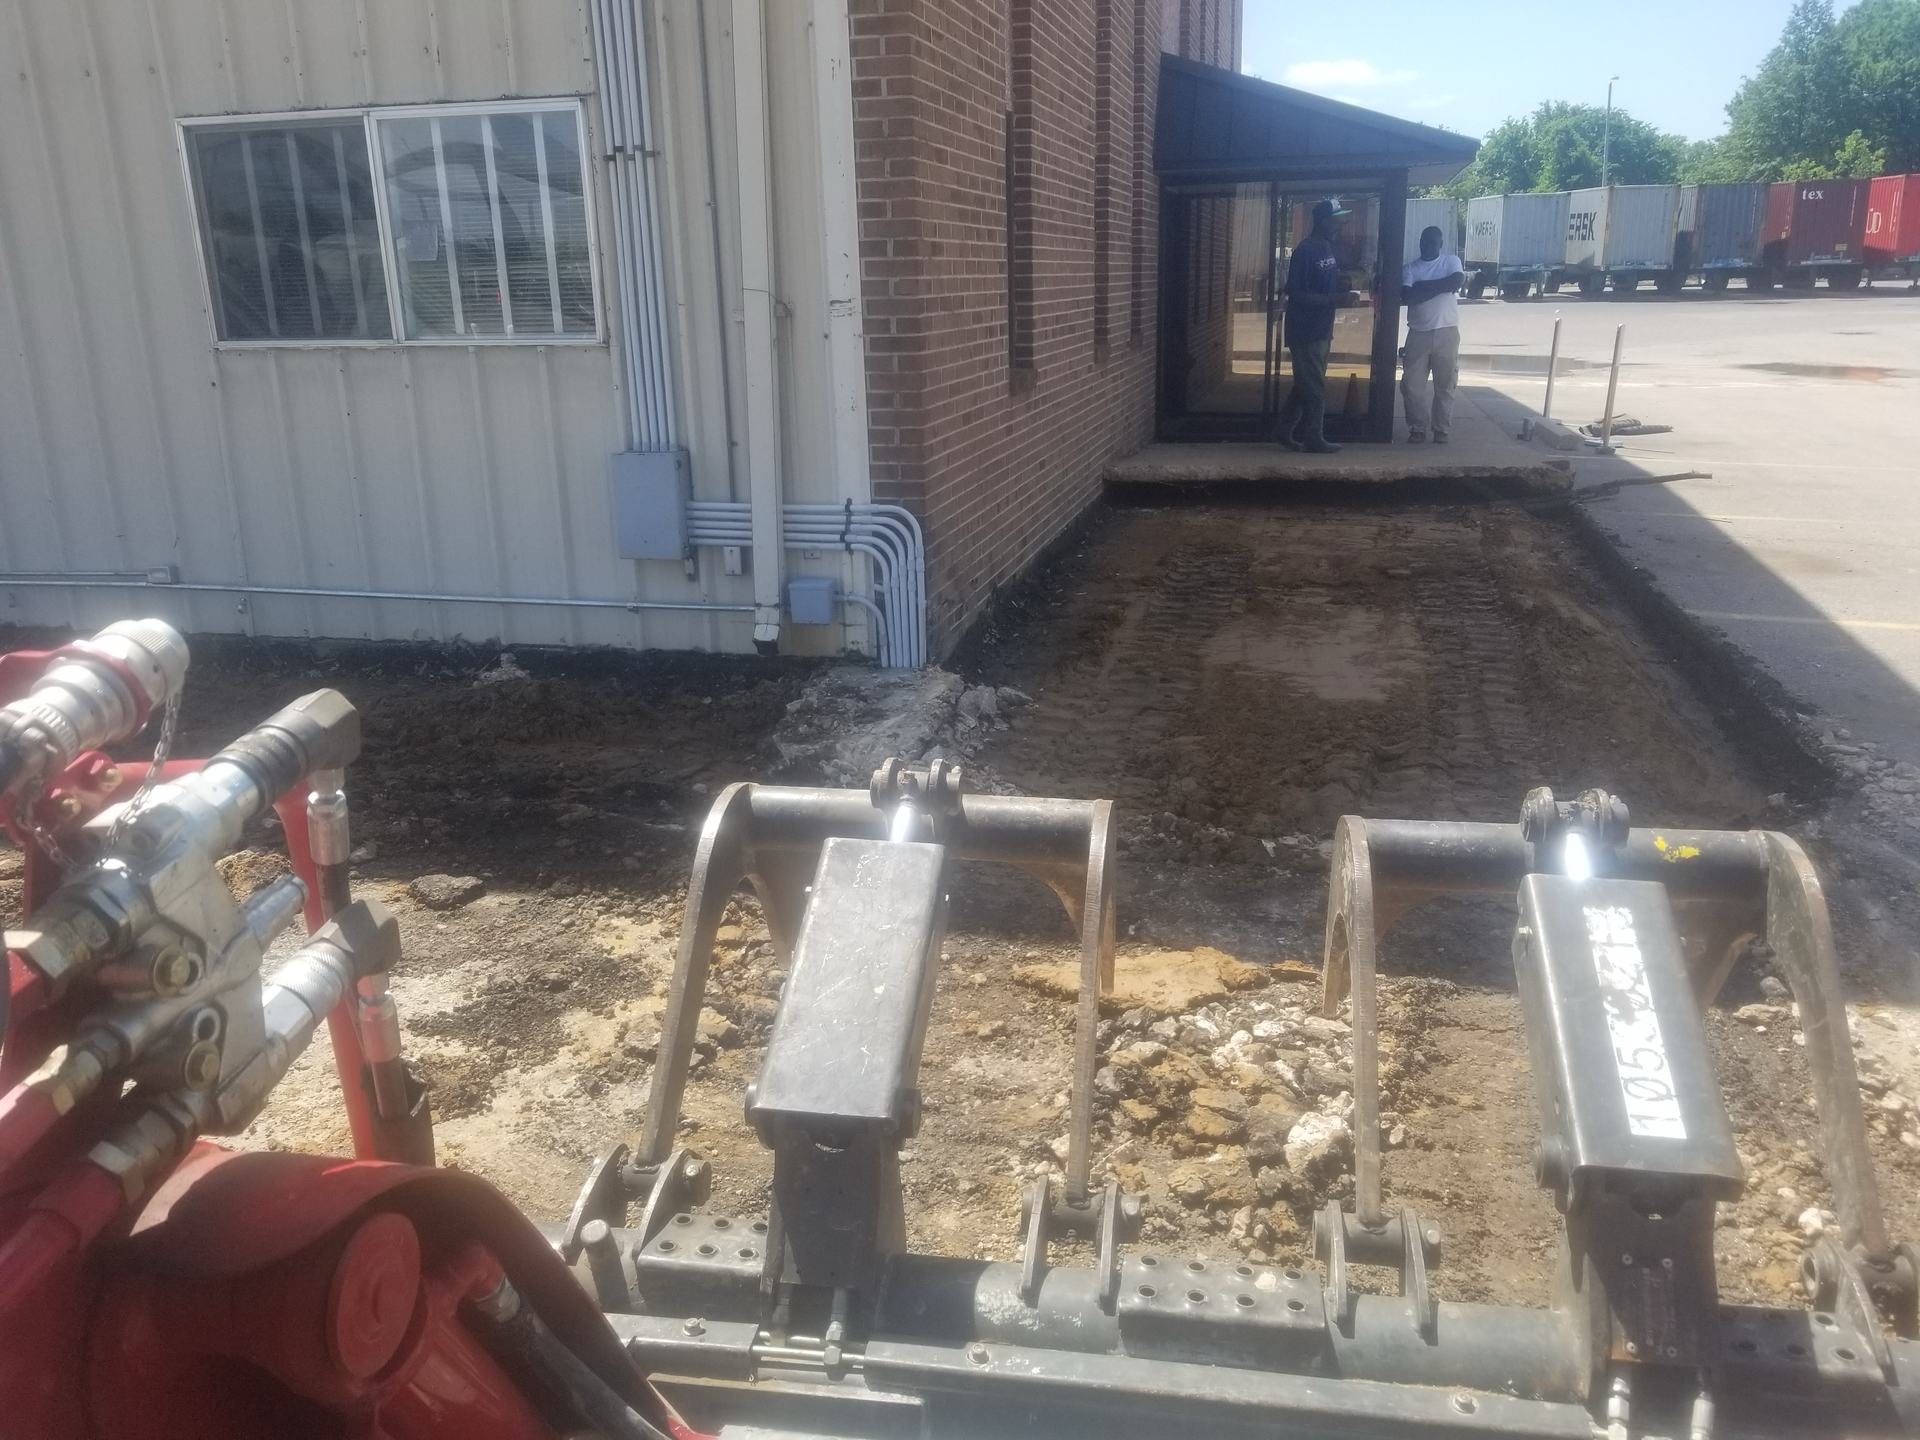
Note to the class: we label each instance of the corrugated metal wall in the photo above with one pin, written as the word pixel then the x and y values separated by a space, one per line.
pixel 128 440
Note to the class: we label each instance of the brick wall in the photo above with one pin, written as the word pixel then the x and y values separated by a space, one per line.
pixel 997 392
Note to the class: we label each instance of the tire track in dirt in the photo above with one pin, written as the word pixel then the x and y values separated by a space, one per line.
pixel 1111 716
pixel 1479 716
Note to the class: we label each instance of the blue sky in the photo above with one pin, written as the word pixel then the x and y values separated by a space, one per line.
pixel 1470 66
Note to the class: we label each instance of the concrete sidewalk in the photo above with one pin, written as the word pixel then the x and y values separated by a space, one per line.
pixel 1480 449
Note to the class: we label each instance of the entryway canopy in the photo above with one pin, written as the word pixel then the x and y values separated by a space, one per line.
pixel 1218 126
pixel 1241 162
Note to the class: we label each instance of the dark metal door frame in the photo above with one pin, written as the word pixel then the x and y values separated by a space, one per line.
pixel 1173 421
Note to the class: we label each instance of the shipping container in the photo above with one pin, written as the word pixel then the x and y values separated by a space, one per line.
pixel 1892 241
pixel 1443 212
pixel 1719 235
pixel 1625 232
pixel 1515 240
pixel 1815 227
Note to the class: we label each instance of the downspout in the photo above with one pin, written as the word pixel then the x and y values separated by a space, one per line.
pixel 845 338
pixel 756 303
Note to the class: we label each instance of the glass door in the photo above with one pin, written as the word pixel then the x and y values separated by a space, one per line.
pixel 1356 244
pixel 1224 369
pixel 1219 313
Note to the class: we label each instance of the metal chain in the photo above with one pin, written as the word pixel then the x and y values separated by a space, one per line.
pixel 169 723
pixel 23 816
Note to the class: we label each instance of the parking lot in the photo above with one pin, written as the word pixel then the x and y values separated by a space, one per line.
pixel 1801 547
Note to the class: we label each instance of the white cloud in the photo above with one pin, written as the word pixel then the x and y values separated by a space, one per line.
pixel 1327 74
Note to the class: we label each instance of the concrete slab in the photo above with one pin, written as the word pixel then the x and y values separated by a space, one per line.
pixel 1480 449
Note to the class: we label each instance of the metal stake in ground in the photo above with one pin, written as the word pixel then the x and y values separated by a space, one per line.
pixel 1553 365
pixel 1613 385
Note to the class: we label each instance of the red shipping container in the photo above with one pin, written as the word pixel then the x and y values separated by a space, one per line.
pixel 1815 222
pixel 1893 220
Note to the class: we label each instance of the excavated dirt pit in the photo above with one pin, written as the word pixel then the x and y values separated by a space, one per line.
pixel 1236 676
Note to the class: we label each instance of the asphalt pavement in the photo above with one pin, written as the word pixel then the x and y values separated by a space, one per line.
pixel 1804 546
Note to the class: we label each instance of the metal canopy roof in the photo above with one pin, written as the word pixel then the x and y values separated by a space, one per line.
pixel 1216 125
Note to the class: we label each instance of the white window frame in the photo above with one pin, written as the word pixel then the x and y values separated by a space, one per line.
pixel 377 170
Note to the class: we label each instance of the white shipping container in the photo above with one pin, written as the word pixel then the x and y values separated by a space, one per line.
pixel 1626 227
pixel 1517 231
pixel 1422 213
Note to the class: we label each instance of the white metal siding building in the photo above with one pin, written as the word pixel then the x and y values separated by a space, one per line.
pixel 362 295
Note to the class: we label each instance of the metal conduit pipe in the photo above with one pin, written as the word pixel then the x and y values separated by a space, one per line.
pixel 902 523
pixel 603 49
pixel 899 574
pixel 629 155
pixel 140 582
pixel 906 652
pixel 809 525
pixel 884 546
pixel 898 650
pixel 642 156
pixel 887 659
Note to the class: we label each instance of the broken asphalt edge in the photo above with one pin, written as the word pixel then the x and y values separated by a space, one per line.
pixel 1754 707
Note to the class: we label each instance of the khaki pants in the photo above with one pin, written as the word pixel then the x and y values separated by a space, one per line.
pixel 1438 351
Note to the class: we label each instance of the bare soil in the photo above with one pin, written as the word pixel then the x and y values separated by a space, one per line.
pixel 1236 676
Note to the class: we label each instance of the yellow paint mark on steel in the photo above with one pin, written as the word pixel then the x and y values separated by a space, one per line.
pixel 1674 854
pixel 1840 620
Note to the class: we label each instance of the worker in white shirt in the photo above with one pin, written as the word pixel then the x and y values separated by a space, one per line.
pixel 1428 288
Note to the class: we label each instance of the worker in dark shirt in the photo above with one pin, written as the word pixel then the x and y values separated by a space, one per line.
pixel 1316 287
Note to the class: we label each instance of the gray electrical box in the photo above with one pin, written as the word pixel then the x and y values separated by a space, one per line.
pixel 650 492
pixel 812 600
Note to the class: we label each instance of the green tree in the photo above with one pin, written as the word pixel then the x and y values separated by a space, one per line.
pixel 1707 162
pixel 1560 147
pixel 1880 43
pixel 1827 82
pixel 1853 160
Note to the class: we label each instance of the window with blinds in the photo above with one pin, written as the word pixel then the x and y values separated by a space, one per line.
pixel 432 223
pixel 292 237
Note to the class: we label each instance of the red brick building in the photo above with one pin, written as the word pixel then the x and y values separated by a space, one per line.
pixel 1009 254
pixel 789 325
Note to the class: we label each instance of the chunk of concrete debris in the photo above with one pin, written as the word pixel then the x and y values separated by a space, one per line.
pixel 1190 1184
pixel 1210 1127
pixel 1165 980
pixel 1142 1113
pixel 1141 1052
pixel 1760 1015
pixel 446 892
pixel 506 669
pixel 716 1027
pixel 1240 1228
pixel 1815 1222
pixel 1270 1121
pixel 979 704
pixel 1224 1102
pixel 1317 1144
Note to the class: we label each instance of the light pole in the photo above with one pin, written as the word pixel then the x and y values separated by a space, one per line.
pixel 1606 138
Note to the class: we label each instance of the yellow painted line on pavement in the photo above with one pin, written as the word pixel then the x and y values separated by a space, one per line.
pixel 1806 620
